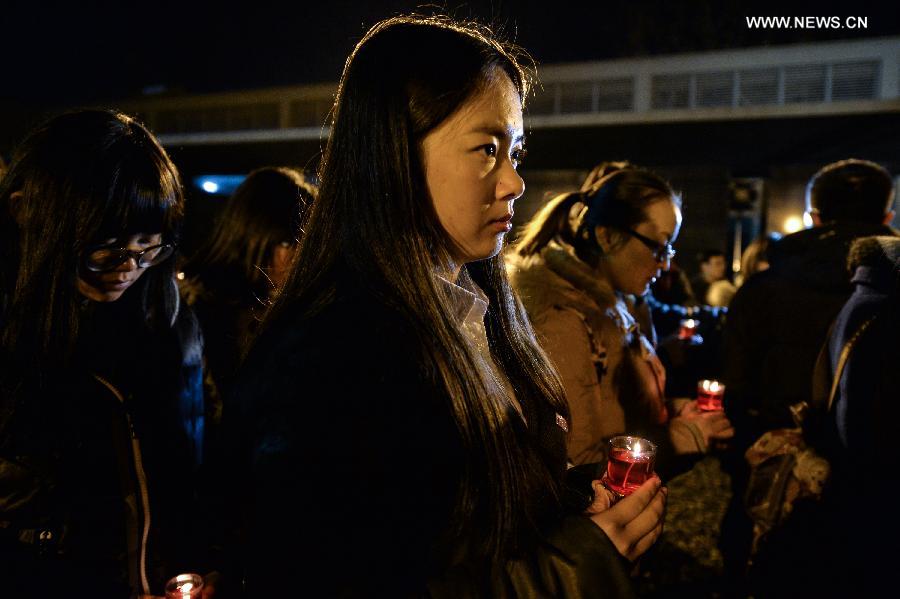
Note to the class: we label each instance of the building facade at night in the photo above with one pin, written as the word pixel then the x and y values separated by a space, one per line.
pixel 738 131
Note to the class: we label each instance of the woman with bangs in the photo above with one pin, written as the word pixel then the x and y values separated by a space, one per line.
pixel 101 408
pixel 403 431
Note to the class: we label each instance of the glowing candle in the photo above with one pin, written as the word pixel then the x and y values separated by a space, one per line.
pixel 709 395
pixel 630 462
pixel 688 328
pixel 184 586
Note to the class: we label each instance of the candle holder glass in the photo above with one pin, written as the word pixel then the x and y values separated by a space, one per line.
pixel 630 462
pixel 709 395
pixel 184 586
pixel 687 328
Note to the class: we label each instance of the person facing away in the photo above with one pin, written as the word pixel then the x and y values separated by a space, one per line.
pixel 403 431
pixel 234 275
pixel 673 287
pixel 779 318
pixel 863 438
pixel 822 548
pixel 101 410
pixel 577 268
pixel 755 257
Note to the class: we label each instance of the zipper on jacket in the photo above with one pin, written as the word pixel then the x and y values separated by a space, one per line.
pixel 142 484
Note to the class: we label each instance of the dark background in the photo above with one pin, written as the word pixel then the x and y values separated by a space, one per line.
pixel 75 53
pixel 61 55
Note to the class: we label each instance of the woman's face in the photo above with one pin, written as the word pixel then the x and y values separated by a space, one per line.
pixel 470 168
pixel 280 264
pixel 631 266
pixel 108 286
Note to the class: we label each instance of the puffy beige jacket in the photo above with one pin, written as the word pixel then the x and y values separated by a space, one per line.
pixel 613 380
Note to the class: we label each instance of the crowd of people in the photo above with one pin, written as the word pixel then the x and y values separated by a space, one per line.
pixel 358 386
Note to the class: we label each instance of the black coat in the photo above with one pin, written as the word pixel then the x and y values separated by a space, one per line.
pixel 828 547
pixel 778 322
pixel 71 508
pixel 353 462
pixel 861 430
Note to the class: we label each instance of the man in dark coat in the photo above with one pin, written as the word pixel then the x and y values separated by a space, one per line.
pixel 825 548
pixel 779 319
pixel 861 430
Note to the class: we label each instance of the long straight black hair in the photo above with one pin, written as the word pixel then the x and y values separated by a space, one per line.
pixel 264 211
pixel 76 180
pixel 374 216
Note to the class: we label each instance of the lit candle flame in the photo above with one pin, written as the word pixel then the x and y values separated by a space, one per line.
pixel 712 386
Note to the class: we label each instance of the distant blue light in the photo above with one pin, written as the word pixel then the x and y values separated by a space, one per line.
pixel 222 185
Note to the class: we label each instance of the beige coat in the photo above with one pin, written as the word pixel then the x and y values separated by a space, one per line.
pixel 613 380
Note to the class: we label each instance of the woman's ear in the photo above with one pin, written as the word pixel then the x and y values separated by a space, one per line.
pixel 604 238
pixel 16 205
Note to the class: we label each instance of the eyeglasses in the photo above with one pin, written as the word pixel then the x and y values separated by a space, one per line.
pixel 663 252
pixel 109 258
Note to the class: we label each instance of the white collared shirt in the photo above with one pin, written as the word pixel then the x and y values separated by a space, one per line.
pixel 470 304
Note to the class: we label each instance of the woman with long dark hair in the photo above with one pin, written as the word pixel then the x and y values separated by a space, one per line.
pixel 234 275
pixel 404 430
pixel 100 366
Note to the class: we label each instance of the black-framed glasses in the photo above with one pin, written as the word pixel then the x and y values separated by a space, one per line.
pixel 105 258
pixel 663 252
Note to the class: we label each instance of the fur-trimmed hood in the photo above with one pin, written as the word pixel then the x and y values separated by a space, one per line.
pixel 586 326
pixel 557 278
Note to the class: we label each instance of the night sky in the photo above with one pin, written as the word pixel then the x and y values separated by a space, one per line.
pixel 62 55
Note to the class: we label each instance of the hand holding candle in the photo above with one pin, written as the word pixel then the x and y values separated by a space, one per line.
pixel 630 462
pixel 635 522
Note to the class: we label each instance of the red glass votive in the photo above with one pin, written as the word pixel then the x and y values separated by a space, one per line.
pixel 687 328
pixel 709 395
pixel 184 586
pixel 630 462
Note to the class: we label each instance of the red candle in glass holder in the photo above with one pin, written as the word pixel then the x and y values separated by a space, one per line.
pixel 709 395
pixel 184 586
pixel 630 462
pixel 688 328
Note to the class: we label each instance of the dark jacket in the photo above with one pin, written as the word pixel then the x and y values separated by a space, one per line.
pixel 228 318
pixel 823 548
pixel 85 457
pixel 779 320
pixel 860 439
pixel 354 462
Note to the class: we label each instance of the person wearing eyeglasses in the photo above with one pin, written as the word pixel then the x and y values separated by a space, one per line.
pixel 101 405
pixel 113 266
pixel 578 267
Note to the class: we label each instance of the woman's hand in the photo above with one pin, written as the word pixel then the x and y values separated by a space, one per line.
pixel 694 430
pixel 634 522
